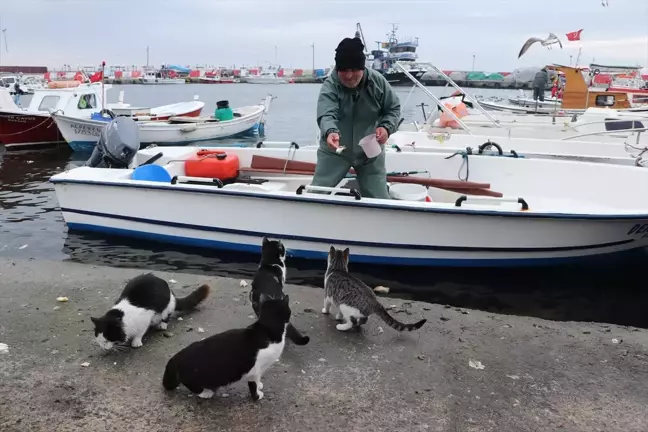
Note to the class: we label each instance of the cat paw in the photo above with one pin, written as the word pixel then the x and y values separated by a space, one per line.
pixel 136 343
pixel 302 341
pixel 324 311
pixel 260 385
pixel 343 327
pixel 259 395
pixel 206 394
pixel 162 326
pixel 339 316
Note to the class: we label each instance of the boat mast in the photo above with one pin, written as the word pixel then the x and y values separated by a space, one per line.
pixel 3 35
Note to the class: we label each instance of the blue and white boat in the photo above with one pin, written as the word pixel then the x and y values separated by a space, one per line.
pixel 83 134
pixel 540 211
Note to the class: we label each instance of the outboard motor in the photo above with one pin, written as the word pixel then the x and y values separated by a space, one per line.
pixel 118 144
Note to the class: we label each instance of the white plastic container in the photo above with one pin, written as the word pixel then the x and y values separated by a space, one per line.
pixel 408 192
pixel 370 146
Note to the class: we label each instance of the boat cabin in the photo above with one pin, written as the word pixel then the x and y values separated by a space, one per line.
pixel 578 95
pixel 79 101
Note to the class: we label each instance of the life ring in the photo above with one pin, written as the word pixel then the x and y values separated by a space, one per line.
pixel 597 71
pixel 83 104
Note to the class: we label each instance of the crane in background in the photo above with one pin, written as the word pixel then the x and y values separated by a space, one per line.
pixel 360 36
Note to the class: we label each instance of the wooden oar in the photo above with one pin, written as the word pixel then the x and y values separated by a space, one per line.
pixel 278 165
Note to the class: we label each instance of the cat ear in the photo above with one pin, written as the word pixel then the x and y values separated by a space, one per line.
pixel 332 251
pixel 94 320
pixel 346 253
pixel 265 240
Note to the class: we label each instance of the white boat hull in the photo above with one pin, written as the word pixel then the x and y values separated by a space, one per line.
pixel 164 133
pixel 82 134
pixel 377 231
pixel 588 151
pixel 161 81
pixel 264 80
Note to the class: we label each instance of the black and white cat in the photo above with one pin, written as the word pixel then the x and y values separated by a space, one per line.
pixel 234 355
pixel 270 278
pixel 146 301
pixel 354 299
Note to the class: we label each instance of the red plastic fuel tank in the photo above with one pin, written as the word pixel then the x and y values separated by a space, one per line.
pixel 216 164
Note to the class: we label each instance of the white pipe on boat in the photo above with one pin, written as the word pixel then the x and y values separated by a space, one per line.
pixel 606 132
pixel 429 93
pixel 472 99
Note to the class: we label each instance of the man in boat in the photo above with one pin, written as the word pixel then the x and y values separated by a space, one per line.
pixel 354 102
pixel 17 93
pixel 539 84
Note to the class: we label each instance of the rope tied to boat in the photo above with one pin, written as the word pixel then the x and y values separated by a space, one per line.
pixel 464 155
pixel 30 129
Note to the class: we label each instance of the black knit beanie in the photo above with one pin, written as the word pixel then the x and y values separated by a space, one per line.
pixel 350 54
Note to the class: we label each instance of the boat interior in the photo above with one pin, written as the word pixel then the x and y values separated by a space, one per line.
pixel 237 112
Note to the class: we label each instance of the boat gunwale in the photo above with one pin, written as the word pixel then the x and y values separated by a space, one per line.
pixel 395 206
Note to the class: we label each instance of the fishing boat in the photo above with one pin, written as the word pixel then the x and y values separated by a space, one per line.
pixel 185 130
pixel 266 77
pixel 160 77
pixel 461 113
pixel 630 153
pixel 34 126
pixel 525 101
pixel 508 212
pixel 167 129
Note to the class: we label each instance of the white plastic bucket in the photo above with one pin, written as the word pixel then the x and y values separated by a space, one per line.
pixel 370 146
pixel 408 192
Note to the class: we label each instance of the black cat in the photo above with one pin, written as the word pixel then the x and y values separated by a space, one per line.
pixel 231 356
pixel 270 278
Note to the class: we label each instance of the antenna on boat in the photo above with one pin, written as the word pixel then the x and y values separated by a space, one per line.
pixel 3 35
pixel 103 92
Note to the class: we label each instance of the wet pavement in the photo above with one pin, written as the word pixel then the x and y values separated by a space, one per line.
pixel 464 370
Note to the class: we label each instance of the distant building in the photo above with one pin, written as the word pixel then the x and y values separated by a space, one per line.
pixel 24 69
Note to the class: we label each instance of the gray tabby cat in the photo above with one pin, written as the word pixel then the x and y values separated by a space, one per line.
pixel 354 299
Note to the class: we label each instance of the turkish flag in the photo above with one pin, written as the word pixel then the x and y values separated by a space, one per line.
pixel 574 36
pixel 96 77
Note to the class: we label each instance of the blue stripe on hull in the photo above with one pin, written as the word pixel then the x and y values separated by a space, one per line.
pixel 82 146
pixel 88 146
pixel 308 254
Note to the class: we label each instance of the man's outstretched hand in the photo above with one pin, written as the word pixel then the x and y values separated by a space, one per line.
pixel 381 135
pixel 333 140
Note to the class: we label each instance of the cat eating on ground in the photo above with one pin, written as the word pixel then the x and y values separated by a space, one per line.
pixel 146 301
pixel 234 355
pixel 270 278
pixel 353 298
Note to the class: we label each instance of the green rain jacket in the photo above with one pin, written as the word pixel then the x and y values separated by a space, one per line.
pixel 356 113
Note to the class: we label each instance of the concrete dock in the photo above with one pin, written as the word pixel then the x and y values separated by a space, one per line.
pixel 464 371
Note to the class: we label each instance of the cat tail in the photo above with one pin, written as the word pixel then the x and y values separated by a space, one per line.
pixel 395 324
pixel 295 335
pixel 171 378
pixel 193 299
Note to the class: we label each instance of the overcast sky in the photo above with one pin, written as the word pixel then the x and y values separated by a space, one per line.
pixel 245 32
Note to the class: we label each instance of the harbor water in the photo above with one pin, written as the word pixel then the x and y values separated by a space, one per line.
pixel 32 227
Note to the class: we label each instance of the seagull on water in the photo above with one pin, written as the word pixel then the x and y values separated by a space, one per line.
pixel 552 39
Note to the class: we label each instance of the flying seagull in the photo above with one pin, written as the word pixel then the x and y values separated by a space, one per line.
pixel 550 40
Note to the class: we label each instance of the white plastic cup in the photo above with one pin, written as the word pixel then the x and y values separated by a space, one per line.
pixel 408 192
pixel 370 146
